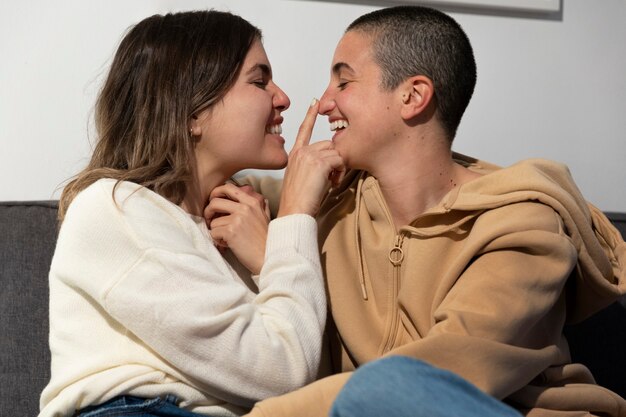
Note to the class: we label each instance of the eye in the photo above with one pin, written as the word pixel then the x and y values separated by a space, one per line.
pixel 342 84
pixel 261 83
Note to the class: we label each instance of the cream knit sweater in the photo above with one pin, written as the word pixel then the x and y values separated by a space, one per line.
pixel 142 303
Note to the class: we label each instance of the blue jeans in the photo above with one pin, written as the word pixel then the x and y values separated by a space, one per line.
pixel 399 386
pixel 137 407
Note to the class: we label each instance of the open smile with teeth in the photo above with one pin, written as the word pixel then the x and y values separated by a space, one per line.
pixel 338 124
pixel 274 129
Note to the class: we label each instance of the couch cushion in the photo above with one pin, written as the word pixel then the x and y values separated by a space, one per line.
pixel 619 220
pixel 28 235
pixel 599 341
pixel 27 239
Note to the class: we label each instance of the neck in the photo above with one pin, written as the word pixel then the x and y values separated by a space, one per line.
pixel 421 174
pixel 205 179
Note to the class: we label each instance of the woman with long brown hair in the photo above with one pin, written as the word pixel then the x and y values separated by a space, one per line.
pixel 150 314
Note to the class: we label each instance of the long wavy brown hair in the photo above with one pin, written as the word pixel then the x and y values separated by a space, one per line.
pixel 167 68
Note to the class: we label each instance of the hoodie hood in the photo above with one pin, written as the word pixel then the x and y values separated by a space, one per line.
pixel 599 278
pixel 600 275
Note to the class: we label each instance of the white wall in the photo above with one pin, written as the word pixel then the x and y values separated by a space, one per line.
pixel 550 87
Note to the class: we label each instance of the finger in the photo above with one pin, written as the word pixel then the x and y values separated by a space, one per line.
pixel 335 161
pixel 244 194
pixel 339 177
pixel 218 238
pixel 220 222
pixel 306 128
pixel 266 208
pixel 249 190
pixel 219 206
pixel 321 145
pixel 337 169
pixel 227 190
pixel 336 177
pixel 326 154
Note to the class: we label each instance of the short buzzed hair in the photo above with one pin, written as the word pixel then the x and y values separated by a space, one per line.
pixel 415 40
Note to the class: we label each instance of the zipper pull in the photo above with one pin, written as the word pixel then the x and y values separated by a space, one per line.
pixel 396 255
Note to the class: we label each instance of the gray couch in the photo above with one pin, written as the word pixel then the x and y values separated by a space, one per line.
pixel 27 238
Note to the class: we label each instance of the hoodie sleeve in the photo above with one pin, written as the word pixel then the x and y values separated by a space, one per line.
pixel 313 400
pixel 500 324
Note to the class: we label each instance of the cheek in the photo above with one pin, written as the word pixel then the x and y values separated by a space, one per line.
pixel 354 104
pixel 258 107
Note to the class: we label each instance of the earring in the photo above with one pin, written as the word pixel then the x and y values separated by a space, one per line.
pixel 191 131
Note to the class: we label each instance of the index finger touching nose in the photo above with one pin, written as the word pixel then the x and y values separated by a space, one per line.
pixel 306 128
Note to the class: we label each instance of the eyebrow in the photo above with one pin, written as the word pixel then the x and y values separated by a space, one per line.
pixel 339 66
pixel 265 69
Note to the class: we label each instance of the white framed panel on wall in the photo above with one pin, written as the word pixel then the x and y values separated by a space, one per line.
pixel 518 5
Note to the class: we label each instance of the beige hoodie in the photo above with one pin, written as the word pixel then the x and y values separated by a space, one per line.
pixel 482 285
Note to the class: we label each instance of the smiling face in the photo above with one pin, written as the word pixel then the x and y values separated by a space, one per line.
pixel 243 130
pixel 363 116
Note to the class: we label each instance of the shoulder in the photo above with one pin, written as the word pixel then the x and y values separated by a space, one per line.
pixel 111 207
pixel 530 228
pixel 521 216
pixel 527 195
pixel 108 198
pixel 91 204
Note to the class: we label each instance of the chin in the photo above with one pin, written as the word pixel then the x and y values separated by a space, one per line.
pixel 280 165
pixel 276 163
pixel 281 162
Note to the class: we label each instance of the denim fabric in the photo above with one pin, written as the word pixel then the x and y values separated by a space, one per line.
pixel 399 386
pixel 137 407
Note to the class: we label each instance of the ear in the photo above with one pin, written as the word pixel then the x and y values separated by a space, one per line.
pixel 417 94
pixel 195 127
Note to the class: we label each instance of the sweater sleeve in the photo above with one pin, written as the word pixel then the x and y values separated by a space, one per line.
pixel 185 305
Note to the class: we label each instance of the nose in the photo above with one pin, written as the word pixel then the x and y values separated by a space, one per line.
pixel 280 100
pixel 327 102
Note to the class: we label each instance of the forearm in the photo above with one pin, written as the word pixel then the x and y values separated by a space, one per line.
pixel 217 333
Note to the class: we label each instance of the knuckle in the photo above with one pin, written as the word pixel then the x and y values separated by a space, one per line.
pixel 236 225
pixel 248 189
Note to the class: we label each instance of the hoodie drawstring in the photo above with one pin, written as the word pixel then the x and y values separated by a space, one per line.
pixel 357 238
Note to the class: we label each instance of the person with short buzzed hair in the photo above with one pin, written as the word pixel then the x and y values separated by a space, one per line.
pixel 449 279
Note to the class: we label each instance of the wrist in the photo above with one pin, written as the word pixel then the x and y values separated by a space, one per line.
pixel 289 210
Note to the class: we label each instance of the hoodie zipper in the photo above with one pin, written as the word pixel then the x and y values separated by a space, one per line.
pixel 396 256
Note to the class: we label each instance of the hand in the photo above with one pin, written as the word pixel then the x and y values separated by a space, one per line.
pixel 237 218
pixel 311 170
